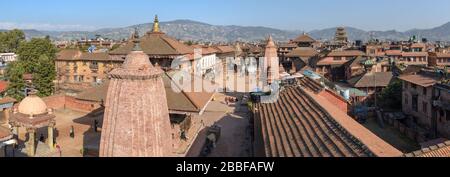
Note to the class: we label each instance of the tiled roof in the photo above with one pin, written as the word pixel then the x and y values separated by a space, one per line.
pixel 414 54
pixel 155 44
pixel 76 55
pixel 439 150
pixel 205 49
pixel 3 86
pixel 418 45
pixel 224 48
pixel 287 45
pixel 304 38
pixel 331 61
pixel 443 55
pixel 346 53
pixel 5 134
pixel 7 100
pixel 379 79
pixel 393 52
pixel 68 54
pixel 302 52
pixel 297 125
pixel 190 101
pixel 419 79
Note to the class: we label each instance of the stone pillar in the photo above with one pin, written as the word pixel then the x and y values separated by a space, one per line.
pixel 2 151
pixel 31 142
pixel 50 136
pixel 16 130
pixel 6 112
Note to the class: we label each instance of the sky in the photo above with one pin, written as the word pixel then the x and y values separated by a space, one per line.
pixel 64 15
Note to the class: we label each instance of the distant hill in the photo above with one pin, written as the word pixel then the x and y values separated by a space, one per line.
pixel 198 31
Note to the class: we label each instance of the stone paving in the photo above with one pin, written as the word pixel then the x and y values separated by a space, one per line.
pixel 85 137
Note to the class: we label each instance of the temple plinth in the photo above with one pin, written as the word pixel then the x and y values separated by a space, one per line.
pixel 136 121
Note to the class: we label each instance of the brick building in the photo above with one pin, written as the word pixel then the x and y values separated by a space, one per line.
pixel 74 66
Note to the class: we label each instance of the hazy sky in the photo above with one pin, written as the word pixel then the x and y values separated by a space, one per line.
pixel 283 14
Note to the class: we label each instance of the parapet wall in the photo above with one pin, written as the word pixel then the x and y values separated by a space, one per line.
pixel 68 102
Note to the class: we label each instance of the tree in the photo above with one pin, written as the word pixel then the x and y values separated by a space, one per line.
pixel 14 73
pixel 30 52
pixel 10 40
pixel 44 76
pixel 391 96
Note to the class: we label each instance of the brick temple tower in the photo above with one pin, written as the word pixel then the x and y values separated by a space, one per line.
pixel 271 62
pixel 136 121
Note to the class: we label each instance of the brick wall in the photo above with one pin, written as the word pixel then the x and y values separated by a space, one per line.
pixel 340 102
pixel 64 101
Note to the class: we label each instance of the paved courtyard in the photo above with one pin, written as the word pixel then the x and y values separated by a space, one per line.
pixel 84 143
pixel 235 138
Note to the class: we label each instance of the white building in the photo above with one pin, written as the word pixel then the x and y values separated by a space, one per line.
pixel 208 60
pixel 8 57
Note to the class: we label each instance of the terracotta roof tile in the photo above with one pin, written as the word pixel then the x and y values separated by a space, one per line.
pixel 414 54
pixel 5 133
pixel 379 79
pixel 393 52
pixel 346 53
pixel 419 79
pixel 156 44
pixel 304 38
pixel 299 125
pixel 302 52
pixel 3 86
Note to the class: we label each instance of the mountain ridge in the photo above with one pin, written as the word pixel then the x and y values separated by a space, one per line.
pixel 185 29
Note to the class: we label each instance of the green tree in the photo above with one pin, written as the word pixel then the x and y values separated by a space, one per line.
pixel 30 52
pixel 391 96
pixel 44 76
pixel 10 40
pixel 14 73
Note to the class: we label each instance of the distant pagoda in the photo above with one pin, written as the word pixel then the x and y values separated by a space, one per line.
pixel 341 35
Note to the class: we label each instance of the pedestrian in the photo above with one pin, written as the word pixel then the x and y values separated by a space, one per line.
pixel 95 125
pixel 72 132
pixel 41 138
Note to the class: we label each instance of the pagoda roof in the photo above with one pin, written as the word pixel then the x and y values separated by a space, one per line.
pixel 156 44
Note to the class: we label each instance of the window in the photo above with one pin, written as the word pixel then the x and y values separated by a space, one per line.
pixel 424 107
pixel 81 78
pixel 414 103
pixel 447 114
pixel 424 91
pixel 406 100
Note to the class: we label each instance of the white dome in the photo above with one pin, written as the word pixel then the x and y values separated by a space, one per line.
pixel 32 105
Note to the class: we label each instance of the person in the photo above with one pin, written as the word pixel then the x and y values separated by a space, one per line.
pixel 72 133
pixel 95 125
pixel 41 138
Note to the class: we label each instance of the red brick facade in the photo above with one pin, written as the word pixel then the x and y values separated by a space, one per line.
pixel 64 101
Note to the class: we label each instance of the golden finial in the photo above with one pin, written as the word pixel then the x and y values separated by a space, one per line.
pixel 156 24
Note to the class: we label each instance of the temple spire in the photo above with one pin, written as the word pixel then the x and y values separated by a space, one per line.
pixel 156 24
pixel 136 41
